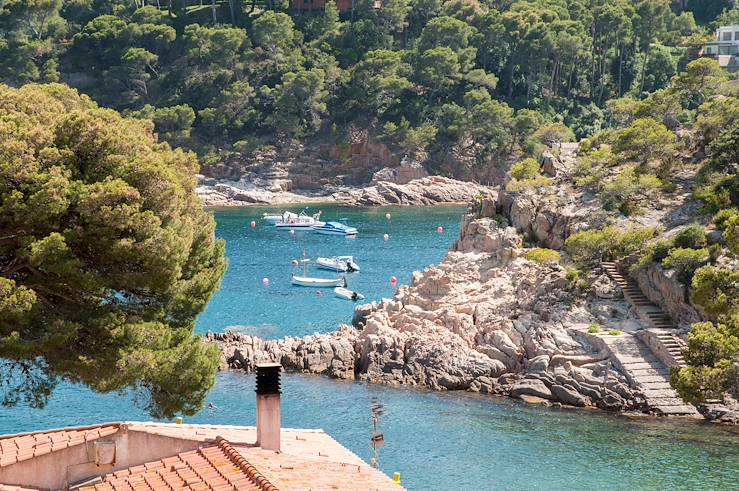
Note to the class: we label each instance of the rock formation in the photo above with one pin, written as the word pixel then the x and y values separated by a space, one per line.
pixel 424 191
pixel 486 319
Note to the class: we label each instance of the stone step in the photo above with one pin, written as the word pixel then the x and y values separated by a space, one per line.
pixel 682 410
pixel 650 372
pixel 658 385
pixel 665 401
pixel 661 393
pixel 644 379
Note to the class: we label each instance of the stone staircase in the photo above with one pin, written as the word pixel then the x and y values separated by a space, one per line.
pixel 648 312
pixel 647 372
pixel 645 359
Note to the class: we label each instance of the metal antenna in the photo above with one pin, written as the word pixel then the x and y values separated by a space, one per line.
pixel 378 438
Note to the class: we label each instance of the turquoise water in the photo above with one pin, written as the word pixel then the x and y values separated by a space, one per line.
pixel 265 252
pixel 437 441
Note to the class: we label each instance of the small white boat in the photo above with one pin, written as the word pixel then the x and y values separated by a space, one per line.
pixel 347 294
pixel 291 221
pixel 272 219
pixel 331 263
pixel 306 280
pixel 351 265
pixel 318 282
pixel 333 228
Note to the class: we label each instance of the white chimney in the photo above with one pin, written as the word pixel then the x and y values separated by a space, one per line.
pixel 268 406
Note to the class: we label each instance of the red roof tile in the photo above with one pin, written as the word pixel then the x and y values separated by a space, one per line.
pixel 213 467
pixel 17 448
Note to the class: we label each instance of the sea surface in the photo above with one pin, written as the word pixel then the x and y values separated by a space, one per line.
pixel 436 441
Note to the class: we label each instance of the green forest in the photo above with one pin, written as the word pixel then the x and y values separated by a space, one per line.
pixel 463 81
pixel 107 256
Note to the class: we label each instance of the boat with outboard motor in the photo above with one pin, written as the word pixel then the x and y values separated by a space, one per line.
pixel 338 263
pixel 347 294
pixel 333 228
pixel 306 280
pixel 303 221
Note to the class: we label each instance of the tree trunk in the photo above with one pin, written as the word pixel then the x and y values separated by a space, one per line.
pixel 644 69
pixel 213 8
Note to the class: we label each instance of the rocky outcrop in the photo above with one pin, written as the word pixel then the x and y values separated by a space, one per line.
pixel 214 193
pixel 425 191
pixel 663 288
pixel 407 171
pixel 549 220
pixel 485 319
pixel 329 354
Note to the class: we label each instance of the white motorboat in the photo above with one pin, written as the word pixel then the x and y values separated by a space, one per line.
pixel 347 294
pixel 338 263
pixel 331 263
pixel 291 221
pixel 306 280
pixel 351 265
pixel 333 228
pixel 272 219
pixel 318 282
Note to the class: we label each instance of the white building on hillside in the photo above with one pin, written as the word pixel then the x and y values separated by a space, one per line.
pixel 725 48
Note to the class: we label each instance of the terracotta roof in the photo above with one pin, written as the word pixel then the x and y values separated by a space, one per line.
pixel 5 487
pixel 212 467
pixel 24 446
pixel 227 459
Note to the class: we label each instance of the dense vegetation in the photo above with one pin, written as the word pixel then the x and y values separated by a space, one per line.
pixel 635 161
pixel 461 83
pixel 106 255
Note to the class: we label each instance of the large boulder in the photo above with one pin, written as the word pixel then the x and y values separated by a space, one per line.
pixel 531 387
pixel 568 395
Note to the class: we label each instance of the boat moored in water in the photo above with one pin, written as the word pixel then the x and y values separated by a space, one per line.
pixel 331 263
pixel 334 228
pixel 291 221
pixel 271 218
pixel 347 294
pixel 317 282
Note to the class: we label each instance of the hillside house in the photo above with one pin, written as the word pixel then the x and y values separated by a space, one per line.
pixel 725 48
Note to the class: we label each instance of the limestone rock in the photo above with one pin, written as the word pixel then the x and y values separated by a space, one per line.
pixel 568 395
pixel 531 387
pixel 423 191
pixel 538 364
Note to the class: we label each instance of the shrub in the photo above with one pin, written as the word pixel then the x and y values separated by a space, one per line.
pixel 722 217
pixel 645 141
pixel 627 188
pixel 691 237
pixel 593 328
pixel 716 289
pixel 525 169
pixel 519 185
pixel 614 332
pixel 710 354
pixel 542 255
pixel 731 233
pixel 654 254
pixel 590 247
pixel 685 262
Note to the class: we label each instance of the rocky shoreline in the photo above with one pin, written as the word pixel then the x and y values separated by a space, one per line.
pixel 491 318
pixel 486 319
pixel 430 190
